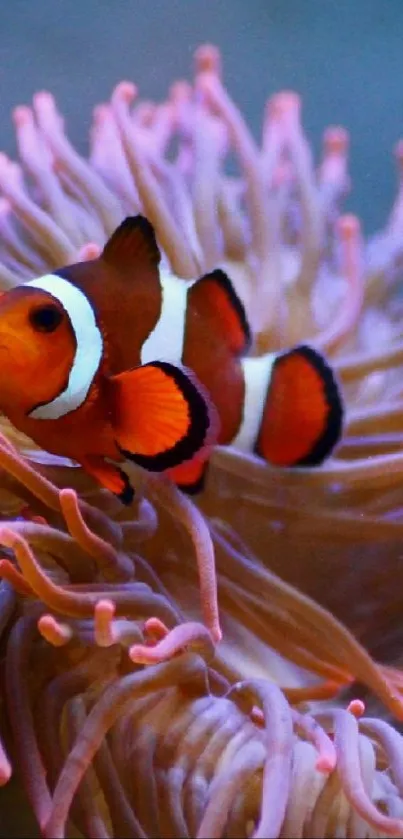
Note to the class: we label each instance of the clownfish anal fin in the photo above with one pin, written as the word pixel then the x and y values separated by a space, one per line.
pixel 161 415
pixel 133 244
pixel 110 477
pixel 190 477
pixel 303 417
pixel 215 295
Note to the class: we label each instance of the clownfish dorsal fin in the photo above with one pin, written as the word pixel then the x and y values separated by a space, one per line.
pixel 215 295
pixel 303 417
pixel 161 415
pixel 133 244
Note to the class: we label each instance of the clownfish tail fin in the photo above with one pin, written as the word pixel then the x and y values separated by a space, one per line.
pixel 303 416
pixel 215 297
pixel 161 415
pixel 132 245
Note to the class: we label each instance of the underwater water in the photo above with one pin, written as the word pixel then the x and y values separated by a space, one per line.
pixel 337 538
pixel 343 58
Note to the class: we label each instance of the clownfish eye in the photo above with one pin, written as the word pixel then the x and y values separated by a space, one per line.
pixel 46 318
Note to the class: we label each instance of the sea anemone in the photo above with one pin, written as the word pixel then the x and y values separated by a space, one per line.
pixel 122 716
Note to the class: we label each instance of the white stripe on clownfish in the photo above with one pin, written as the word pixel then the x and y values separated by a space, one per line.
pixel 165 342
pixel 257 375
pixel 89 346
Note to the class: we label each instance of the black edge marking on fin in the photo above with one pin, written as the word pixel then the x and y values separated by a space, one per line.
pixel 197 486
pixel 196 435
pixel 128 493
pixel 334 425
pixel 133 239
pixel 223 280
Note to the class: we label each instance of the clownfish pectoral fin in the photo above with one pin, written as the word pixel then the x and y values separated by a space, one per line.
pixel 132 245
pixel 161 415
pixel 110 477
pixel 303 416
pixel 215 296
pixel 190 477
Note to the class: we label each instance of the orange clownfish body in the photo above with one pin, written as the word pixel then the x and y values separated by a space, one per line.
pixel 91 368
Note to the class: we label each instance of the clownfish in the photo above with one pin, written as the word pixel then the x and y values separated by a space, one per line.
pixel 117 359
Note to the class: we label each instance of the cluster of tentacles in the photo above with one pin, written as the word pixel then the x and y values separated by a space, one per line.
pixel 98 658
pixel 120 714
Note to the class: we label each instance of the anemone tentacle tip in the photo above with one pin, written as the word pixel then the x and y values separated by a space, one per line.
pixel 108 665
